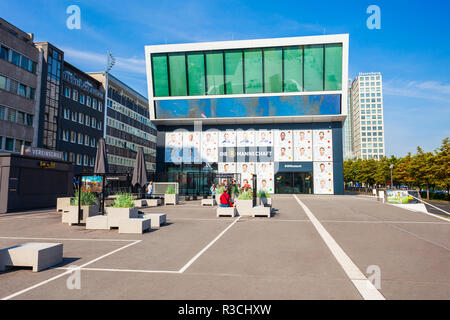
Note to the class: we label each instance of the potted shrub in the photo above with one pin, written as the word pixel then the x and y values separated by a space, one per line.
pixel 264 198
pixel 244 203
pixel 122 208
pixel 88 204
pixel 170 196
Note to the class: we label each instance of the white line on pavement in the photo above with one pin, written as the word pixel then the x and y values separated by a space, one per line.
pixel 67 272
pixel 67 239
pixel 187 265
pixel 120 270
pixel 359 280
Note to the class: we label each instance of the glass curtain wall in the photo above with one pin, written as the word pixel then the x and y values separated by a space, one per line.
pixel 248 71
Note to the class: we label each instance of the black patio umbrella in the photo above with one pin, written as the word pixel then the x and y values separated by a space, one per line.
pixel 139 170
pixel 101 167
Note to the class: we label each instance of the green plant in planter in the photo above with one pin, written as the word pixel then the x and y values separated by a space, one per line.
pixel 123 200
pixel 87 199
pixel 263 194
pixel 170 189
pixel 235 189
pixel 245 195
pixel 220 190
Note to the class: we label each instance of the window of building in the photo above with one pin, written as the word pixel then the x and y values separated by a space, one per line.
pixel 160 75
pixel 86 160
pixel 273 70
pixel 11 115
pixel 99 125
pixel 94 122
pixel 75 116
pixel 15 58
pixel 67 92
pixel 75 94
pixel 253 75
pixel 67 114
pixel 234 72
pixel 21 90
pixel 79 162
pixel 86 140
pixel 4 53
pixel 177 74
pixel 100 106
pixel 3 83
pixel 81 98
pixel 9 144
pixel 80 138
pixel 88 101
pixel 333 67
pixel 66 135
pixel 313 68
pixel 81 118
pixel 24 62
pixel 94 104
pixel 196 73
pixel 73 136
pixel 88 121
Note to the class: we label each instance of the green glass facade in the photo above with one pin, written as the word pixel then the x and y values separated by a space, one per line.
pixel 248 71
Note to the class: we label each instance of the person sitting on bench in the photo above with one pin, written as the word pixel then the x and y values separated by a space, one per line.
pixel 225 199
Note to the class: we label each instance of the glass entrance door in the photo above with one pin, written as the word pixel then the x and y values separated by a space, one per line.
pixel 293 183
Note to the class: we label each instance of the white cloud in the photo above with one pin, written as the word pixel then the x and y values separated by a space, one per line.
pixel 98 61
pixel 432 90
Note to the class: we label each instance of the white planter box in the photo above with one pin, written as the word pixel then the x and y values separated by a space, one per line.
pixel 171 199
pixel 265 201
pixel 115 215
pixel 226 211
pixel 71 215
pixel 63 204
pixel 244 207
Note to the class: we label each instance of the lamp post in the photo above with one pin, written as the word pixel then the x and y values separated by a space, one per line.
pixel 391 167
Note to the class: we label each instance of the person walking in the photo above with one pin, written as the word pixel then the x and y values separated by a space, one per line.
pixel 149 190
pixel 213 190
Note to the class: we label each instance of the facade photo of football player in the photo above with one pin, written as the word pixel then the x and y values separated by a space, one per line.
pixel 227 138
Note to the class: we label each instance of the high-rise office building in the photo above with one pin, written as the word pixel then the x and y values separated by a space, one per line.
pixel 367 116
pixel 347 141
pixel 127 125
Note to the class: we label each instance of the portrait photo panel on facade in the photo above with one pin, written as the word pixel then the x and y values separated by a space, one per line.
pixel 323 178
pixel 245 138
pixel 323 145
pixel 283 145
pixel 264 138
pixel 209 146
pixel 246 170
pixel 227 167
pixel 191 147
pixel 227 138
pixel 174 147
pixel 303 145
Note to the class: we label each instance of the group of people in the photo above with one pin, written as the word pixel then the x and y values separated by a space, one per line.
pixel 225 199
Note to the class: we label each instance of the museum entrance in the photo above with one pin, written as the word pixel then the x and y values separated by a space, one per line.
pixel 294 183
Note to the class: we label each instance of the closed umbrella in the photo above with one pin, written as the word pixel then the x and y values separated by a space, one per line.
pixel 139 170
pixel 101 161
pixel 101 167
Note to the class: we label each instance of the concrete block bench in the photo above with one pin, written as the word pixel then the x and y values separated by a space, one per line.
pixel 140 203
pixel 223 211
pixel 209 202
pixel 115 215
pixel 153 202
pixel 134 225
pixel 261 211
pixel 97 223
pixel 37 255
pixel 157 219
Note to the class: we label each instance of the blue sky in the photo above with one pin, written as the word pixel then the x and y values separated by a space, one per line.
pixel 411 50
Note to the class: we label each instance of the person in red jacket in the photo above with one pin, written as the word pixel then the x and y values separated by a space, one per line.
pixel 225 199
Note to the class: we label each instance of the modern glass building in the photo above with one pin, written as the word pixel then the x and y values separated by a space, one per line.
pixel 269 110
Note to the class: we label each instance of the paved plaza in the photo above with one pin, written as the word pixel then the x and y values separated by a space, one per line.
pixel 313 247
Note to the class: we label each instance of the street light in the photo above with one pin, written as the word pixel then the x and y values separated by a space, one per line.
pixel 391 167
